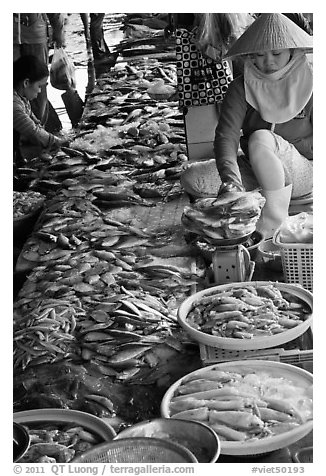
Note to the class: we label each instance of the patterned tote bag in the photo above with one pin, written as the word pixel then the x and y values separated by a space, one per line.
pixel 201 80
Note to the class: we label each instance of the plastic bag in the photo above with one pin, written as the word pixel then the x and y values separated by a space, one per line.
pixel 62 71
pixel 297 229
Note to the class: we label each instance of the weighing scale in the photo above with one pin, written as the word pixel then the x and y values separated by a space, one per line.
pixel 231 261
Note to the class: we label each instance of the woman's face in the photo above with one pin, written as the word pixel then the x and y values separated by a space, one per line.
pixel 32 89
pixel 271 61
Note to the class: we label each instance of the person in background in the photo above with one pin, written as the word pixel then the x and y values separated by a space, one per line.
pixel 213 34
pixel 94 34
pixel 269 111
pixel 216 32
pixel 30 37
pixel 309 18
pixel 30 75
pixel 301 21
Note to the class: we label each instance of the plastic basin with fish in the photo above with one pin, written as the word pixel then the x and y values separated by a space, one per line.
pixel 36 419
pixel 266 444
pixel 199 438
pixel 58 415
pixel 261 342
pixel 21 441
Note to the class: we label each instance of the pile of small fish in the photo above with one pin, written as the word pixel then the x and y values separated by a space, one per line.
pixel 44 335
pixel 70 285
pixel 25 203
pixel 81 258
pixel 76 309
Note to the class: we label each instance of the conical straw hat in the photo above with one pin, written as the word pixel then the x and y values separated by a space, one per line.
pixel 271 31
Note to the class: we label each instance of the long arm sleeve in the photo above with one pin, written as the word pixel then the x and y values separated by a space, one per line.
pixel 28 126
pixel 305 145
pixel 227 134
pixel 299 131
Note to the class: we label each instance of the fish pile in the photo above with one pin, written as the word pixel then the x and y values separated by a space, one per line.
pixel 54 443
pixel 98 302
pixel 71 222
pixel 122 128
pixel 80 257
pixel 76 311
pixel 231 215
pixel 160 90
pixel 124 336
pixel 243 405
pixel 45 335
pixel 25 203
pixel 140 29
pixel 138 155
pixel 81 385
pixel 248 312
pixel 70 282
pixel 143 26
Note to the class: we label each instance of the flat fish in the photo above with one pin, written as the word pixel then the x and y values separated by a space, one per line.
pixel 110 241
pixel 199 385
pixel 186 404
pixel 131 242
pixel 127 374
pixel 197 414
pixel 236 419
pixel 127 357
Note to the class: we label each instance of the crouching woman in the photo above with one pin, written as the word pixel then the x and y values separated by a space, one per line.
pixel 29 75
pixel 268 111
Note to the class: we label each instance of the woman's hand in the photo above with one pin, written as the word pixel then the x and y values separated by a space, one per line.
pixel 230 187
pixel 59 142
pixel 59 40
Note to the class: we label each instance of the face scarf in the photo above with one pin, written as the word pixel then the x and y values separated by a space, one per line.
pixel 279 96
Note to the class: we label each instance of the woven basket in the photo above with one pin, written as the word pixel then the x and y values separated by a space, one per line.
pixel 297 262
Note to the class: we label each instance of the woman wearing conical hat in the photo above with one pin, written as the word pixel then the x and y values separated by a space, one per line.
pixel 268 111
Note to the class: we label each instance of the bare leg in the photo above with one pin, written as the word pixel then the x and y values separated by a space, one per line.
pixel 265 163
pixel 269 172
